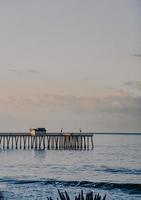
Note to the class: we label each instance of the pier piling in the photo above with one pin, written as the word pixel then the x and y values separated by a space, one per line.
pixel 56 141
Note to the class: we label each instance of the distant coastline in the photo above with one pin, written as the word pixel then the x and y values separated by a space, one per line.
pixel 117 133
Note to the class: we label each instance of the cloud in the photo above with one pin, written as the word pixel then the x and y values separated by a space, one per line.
pixel 24 71
pixel 126 105
pixel 118 102
pixel 113 102
pixel 49 102
pixel 133 85
pixel 118 110
pixel 137 55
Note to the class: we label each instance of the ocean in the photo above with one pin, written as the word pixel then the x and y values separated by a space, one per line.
pixel 113 168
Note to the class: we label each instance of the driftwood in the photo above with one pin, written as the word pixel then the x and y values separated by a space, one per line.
pixel 80 196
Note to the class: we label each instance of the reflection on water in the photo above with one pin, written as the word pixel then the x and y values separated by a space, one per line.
pixel 40 154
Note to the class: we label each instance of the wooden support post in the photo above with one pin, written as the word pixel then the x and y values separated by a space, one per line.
pixel 52 142
pixel 68 142
pixel 12 142
pixel 84 142
pixel 20 142
pixel 32 141
pixel 56 142
pixel 60 142
pixel 0 139
pixel 81 144
pixel 8 141
pixel 65 142
pixel 16 141
pixel 70 146
pixel 73 145
pixel 3 142
pixel 64 138
pixel 48 142
pixel 92 142
pixel 77 142
pixel 24 140
pixel 36 142
pixel 40 142
pixel 28 141
pixel 44 144
pixel 87 142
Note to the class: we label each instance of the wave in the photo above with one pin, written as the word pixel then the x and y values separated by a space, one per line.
pixel 119 170
pixel 131 188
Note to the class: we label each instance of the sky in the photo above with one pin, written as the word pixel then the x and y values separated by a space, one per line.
pixel 70 64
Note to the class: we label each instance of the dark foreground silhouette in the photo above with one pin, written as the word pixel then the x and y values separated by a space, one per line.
pixel 80 196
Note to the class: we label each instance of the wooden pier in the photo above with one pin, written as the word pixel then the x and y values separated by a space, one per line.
pixel 54 141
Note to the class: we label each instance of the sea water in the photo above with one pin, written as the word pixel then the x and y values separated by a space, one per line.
pixel 113 168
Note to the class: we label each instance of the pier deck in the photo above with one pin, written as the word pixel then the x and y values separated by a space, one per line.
pixel 51 140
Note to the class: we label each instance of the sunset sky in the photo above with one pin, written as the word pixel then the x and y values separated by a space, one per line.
pixel 70 64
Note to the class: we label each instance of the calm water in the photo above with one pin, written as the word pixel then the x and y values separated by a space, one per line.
pixel 112 168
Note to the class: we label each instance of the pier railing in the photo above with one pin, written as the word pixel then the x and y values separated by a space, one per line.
pixel 56 141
